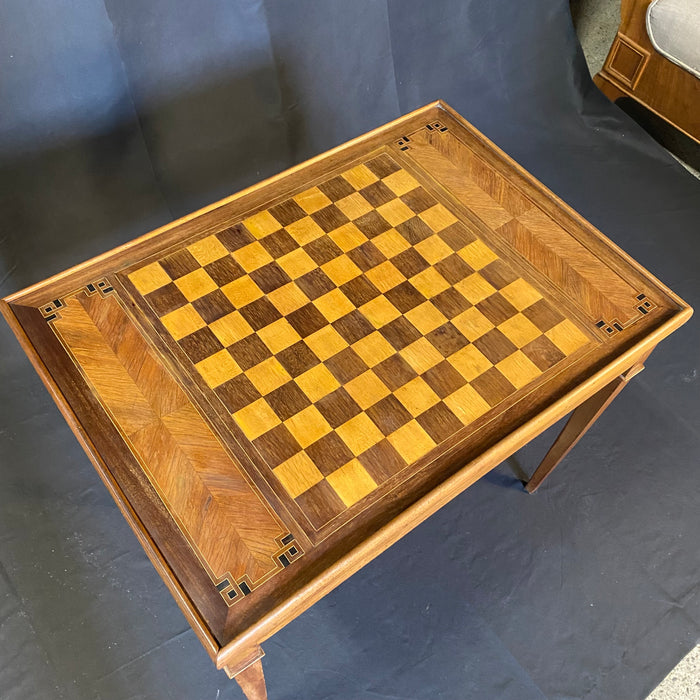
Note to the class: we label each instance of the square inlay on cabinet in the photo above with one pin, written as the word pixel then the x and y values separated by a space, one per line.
pixel 278 387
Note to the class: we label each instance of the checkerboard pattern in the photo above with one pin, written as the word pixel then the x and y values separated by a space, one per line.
pixel 352 328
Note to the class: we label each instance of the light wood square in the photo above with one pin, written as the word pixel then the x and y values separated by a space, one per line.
pixel 519 329
pixel 326 342
pixel 421 355
pixel 262 224
pixel 475 288
pixel 521 294
pixel 470 362
pixel 433 249
pixel 359 433
pixel 317 382
pixel 416 396
pixel 354 206
pixel 298 474
pixel 429 282
pixel 438 217
pixel 411 442
pixel 518 369
pixel 182 322
pixel 347 237
pixel 230 328
pixel 360 176
pixel 256 418
pixel 218 368
pixel 307 426
pixel 279 335
pixel 390 243
pixel 384 276
pixel 252 256
pixel 207 250
pixel 149 278
pixel 567 337
pixel 351 482
pixel 196 284
pixel 400 182
pixel 288 298
pixel 242 291
pixel 472 324
pixel 334 305
pixel 396 212
pixel 425 317
pixel 305 230
pixel 477 254
pixel 268 375
pixel 367 389
pixel 373 349
pixel 312 200
pixel 467 404
pixel 296 263
pixel 379 311
pixel 341 270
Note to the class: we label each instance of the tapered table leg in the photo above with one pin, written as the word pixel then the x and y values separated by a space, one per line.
pixel 578 424
pixel 250 678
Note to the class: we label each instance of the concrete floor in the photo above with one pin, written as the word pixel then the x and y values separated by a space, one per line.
pixel 683 683
pixel 596 22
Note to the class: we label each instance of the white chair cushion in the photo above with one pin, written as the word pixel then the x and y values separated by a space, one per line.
pixel 674 29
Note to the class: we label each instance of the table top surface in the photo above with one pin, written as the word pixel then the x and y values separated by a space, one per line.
pixel 268 383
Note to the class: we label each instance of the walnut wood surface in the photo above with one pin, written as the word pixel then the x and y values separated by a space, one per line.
pixel 635 69
pixel 278 387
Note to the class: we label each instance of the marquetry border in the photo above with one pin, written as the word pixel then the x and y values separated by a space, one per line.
pixel 404 143
pixel 231 590
pixel 613 326
pixel 52 310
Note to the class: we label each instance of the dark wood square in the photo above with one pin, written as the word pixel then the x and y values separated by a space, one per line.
pixel 414 230
pixel 346 365
pixel 287 212
pixel 249 351
pixel 353 327
pixel 237 393
pixel 297 358
pixel 307 320
pixel 224 270
pixel 276 445
pixel 179 264
pixel 330 218
pixel 493 386
pixel 372 224
pixel 287 400
pixel 338 407
pixel 389 414
pixel 200 344
pixel 260 313
pixel 166 299
pixel 329 453
pixel 235 237
pixel 213 306
pixel 495 346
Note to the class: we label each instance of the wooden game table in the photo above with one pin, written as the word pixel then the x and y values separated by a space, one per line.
pixel 276 388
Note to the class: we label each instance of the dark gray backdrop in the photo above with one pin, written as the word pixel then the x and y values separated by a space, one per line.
pixel 117 116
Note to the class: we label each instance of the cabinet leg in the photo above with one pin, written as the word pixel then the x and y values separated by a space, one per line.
pixel 251 678
pixel 578 424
